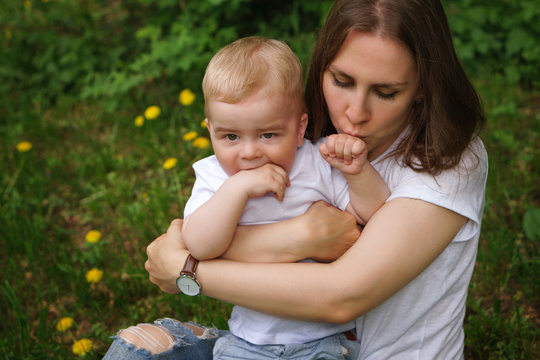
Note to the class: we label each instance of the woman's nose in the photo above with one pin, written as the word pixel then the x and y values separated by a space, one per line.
pixel 357 111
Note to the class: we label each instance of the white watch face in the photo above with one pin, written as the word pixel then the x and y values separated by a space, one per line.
pixel 188 286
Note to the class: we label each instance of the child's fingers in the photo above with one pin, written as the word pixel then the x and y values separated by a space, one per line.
pixel 331 145
pixel 278 180
pixel 358 147
pixel 278 187
pixel 343 146
pixel 279 174
pixel 323 149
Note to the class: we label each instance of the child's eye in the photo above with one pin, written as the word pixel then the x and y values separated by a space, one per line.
pixel 231 137
pixel 268 136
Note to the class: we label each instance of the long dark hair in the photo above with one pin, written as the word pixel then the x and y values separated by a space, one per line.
pixel 443 124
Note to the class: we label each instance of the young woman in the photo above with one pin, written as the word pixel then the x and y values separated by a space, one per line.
pixel 386 72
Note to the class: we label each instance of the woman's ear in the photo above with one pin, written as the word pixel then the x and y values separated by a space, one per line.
pixel 419 98
pixel 207 123
pixel 302 125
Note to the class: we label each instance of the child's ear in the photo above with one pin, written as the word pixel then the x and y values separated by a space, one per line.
pixel 207 123
pixel 302 125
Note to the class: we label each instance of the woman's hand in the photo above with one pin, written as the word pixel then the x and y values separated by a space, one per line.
pixel 166 256
pixel 331 232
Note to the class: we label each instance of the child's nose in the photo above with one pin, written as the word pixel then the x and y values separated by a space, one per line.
pixel 250 150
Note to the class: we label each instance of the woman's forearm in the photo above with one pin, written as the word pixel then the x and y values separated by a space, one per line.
pixel 370 272
pixel 285 290
pixel 277 242
pixel 324 233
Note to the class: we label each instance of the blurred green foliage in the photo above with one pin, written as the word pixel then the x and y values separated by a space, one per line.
pixel 139 50
pixel 136 50
pixel 498 37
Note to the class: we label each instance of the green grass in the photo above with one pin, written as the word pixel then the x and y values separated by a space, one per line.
pixel 92 170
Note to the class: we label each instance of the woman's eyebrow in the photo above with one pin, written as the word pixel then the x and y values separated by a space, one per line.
pixel 338 72
pixel 391 84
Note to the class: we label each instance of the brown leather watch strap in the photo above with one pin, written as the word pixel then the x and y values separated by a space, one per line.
pixel 190 266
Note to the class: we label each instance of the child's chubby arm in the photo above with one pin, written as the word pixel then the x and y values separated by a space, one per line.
pixel 209 230
pixel 367 189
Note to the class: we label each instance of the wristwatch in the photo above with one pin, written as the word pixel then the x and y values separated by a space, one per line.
pixel 187 282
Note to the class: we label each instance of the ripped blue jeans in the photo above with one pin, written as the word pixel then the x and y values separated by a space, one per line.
pixel 187 345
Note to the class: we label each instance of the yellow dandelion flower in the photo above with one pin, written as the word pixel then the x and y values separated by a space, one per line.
pixel 27 4
pixel 94 275
pixel 45 1
pixel 93 236
pixel 82 347
pixel 190 135
pixel 139 121
pixel 186 97
pixel 64 323
pixel 152 112
pixel 204 124
pixel 8 34
pixel 170 163
pixel 201 143
pixel 24 146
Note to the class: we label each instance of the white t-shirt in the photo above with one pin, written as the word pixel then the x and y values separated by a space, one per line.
pixel 312 179
pixel 424 320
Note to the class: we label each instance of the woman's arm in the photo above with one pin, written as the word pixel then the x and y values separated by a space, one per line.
pixel 323 233
pixel 398 243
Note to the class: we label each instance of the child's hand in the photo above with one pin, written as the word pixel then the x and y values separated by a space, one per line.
pixel 346 153
pixel 259 181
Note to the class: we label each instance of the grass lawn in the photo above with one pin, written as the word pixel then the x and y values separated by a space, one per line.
pixel 91 170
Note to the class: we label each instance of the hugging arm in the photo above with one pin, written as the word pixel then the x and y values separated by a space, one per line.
pixel 323 233
pixel 371 271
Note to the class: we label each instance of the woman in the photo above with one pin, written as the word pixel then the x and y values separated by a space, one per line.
pixel 386 72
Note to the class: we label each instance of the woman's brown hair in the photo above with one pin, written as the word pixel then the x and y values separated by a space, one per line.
pixel 444 122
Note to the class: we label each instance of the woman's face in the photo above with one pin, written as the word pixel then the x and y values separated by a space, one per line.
pixel 369 88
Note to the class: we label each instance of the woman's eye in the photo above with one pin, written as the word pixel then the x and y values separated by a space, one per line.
pixel 231 137
pixel 386 96
pixel 268 136
pixel 340 83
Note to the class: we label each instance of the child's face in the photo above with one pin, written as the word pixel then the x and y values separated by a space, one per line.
pixel 255 131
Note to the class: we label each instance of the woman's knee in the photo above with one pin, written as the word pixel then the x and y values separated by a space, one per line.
pixel 151 337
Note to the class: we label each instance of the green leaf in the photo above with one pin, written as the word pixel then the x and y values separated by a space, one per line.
pixel 150 32
pixel 531 224
pixel 517 39
pixel 512 74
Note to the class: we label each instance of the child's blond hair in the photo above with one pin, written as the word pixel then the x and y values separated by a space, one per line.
pixel 246 65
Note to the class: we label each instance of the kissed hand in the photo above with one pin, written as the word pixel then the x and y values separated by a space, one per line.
pixel 346 153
